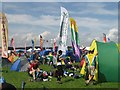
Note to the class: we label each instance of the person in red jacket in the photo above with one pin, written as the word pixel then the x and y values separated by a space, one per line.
pixel 34 67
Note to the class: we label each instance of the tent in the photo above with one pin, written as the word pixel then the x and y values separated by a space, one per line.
pixel 24 67
pixel 45 52
pixel 16 66
pixel 20 65
pixel 107 61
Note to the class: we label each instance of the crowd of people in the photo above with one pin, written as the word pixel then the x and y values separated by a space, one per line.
pixel 61 63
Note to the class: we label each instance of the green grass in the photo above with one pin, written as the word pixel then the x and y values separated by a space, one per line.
pixel 16 79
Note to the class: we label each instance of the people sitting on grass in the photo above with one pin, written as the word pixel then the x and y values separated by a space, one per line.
pixel 33 69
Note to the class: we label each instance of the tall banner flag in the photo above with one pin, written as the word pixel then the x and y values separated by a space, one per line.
pixel 54 45
pixel 41 42
pixel 13 44
pixel 74 38
pixel 32 45
pixel 35 41
pixel 63 30
pixel 25 48
pixel 104 38
pixel 4 34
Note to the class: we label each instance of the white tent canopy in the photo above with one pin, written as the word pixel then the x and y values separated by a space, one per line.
pixel 29 50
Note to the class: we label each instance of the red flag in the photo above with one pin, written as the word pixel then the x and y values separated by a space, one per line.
pixel 54 47
pixel 13 44
pixel 25 48
pixel 11 41
pixel 104 38
pixel 41 42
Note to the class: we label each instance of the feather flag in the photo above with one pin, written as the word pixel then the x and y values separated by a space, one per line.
pixel 41 43
pixel 32 45
pixel 54 45
pixel 25 48
pixel 4 34
pixel 13 44
pixel 104 38
pixel 63 30
pixel 74 38
pixel 35 41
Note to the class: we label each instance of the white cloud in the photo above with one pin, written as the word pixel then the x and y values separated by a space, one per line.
pixel 95 8
pixel 21 39
pixel 113 34
pixel 29 26
pixel 95 24
pixel 25 19
pixel 45 34
pixel 9 6
pixel 28 36
pixel 98 8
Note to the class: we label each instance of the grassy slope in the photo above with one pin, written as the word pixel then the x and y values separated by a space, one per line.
pixel 16 79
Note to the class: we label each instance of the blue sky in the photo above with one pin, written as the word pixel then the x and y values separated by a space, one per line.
pixel 29 19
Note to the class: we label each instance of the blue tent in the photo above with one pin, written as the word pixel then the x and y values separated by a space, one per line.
pixel 16 65
pixel 45 52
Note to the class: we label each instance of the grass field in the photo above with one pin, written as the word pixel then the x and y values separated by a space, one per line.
pixel 16 78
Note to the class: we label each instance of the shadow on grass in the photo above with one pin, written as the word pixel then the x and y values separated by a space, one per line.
pixel 68 80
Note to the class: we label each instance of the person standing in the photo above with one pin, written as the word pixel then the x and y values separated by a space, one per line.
pixel 90 60
pixel 59 67
pixel 50 58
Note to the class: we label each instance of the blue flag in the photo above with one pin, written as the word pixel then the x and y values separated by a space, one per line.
pixel 108 39
pixel 32 45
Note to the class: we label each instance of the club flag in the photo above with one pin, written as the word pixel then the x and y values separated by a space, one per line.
pixel 63 30
pixel 4 34
pixel 104 38
pixel 13 44
pixel 35 41
pixel 41 42
pixel 25 48
pixel 54 45
pixel 108 39
pixel 32 45
pixel 74 38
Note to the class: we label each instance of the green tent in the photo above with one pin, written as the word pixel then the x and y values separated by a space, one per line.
pixel 108 61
